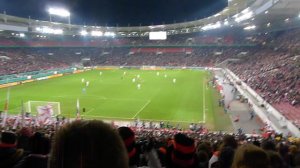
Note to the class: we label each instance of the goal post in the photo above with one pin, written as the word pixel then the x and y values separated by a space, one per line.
pixel 32 106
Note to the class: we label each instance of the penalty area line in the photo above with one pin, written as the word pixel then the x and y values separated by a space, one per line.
pixel 92 109
pixel 146 104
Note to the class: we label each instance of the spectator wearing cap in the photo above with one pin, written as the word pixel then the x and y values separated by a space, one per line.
pixel 182 152
pixel 9 154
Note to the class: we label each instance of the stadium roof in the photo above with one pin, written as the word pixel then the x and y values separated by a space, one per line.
pixel 239 13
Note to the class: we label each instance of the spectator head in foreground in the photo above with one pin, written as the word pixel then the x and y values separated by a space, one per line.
pixel 250 156
pixel 9 154
pixel 183 152
pixel 88 144
pixel 229 140
pixel 128 137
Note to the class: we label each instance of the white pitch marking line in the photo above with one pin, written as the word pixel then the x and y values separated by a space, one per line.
pixel 142 119
pixel 204 110
pixel 146 104
pixel 92 109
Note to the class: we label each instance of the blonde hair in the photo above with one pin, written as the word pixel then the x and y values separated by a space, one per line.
pixel 250 156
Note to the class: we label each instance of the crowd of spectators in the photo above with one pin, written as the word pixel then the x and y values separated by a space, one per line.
pixel 20 60
pixel 88 144
pixel 275 75
pixel 14 61
pixel 273 71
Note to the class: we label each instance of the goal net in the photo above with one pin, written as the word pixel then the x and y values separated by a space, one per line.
pixel 33 107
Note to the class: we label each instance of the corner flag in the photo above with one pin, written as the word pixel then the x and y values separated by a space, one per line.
pixel 77 110
pixel 5 108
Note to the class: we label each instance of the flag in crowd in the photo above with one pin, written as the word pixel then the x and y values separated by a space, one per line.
pixel 44 115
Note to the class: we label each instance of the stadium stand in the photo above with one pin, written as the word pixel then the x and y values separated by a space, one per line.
pixel 270 66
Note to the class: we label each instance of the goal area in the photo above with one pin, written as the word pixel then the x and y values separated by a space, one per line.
pixel 32 106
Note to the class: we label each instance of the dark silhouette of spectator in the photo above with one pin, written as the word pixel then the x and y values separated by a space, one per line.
pixel 88 144
pixel 133 151
pixel 39 148
pixel 9 154
pixel 275 160
pixel 268 145
pixel 228 141
pixel 181 153
pixel 226 157
pixel 23 138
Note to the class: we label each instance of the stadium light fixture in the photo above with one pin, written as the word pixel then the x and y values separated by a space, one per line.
pixel 109 34
pixel 244 16
pixel 48 30
pixel 22 35
pixel 83 32
pixel 226 23
pixel 266 12
pixel 59 12
pixel 269 24
pixel 216 15
pixel 97 33
pixel 287 20
pixel 250 27
pixel 211 26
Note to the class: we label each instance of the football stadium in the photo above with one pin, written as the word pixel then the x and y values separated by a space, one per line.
pixel 119 84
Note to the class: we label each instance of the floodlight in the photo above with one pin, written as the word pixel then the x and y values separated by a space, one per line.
pixel 246 10
pixel 59 12
pixel 216 15
pixel 211 26
pixel 58 31
pixel 226 23
pixel 244 16
pixel 109 34
pixel 84 32
pixel 48 30
pixel 22 35
pixel 97 33
pixel 250 27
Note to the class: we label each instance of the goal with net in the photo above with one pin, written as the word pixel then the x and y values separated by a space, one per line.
pixel 33 106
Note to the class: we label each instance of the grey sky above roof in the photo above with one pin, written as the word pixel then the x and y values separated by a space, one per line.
pixel 117 12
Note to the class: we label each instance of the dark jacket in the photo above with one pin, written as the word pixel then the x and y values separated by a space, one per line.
pixel 9 155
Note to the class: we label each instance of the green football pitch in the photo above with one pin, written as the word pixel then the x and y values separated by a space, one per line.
pixel 113 95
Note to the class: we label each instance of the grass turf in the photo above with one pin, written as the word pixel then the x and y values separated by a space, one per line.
pixel 114 95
